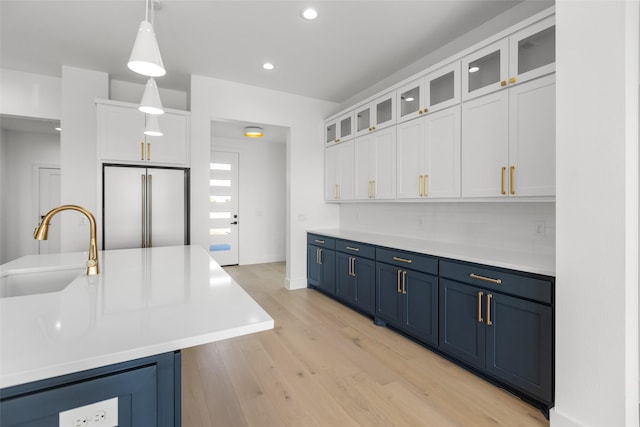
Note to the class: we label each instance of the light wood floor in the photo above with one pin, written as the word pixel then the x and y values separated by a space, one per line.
pixel 326 365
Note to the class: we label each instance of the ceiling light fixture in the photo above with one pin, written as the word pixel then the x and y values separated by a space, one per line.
pixel 151 103
pixel 152 127
pixel 253 132
pixel 268 66
pixel 474 69
pixel 309 14
pixel 145 56
pixel 58 129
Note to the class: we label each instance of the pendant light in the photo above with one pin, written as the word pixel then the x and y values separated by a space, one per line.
pixel 145 57
pixel 151 103
pixel 152 127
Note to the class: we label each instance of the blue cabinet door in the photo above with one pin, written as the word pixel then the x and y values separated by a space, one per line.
pixel 520 344
pixel 344 280
pixel 388 294
pixel 364 283
pixel 327 274
pixel 313 266
pixel 421 306
pixel 462 322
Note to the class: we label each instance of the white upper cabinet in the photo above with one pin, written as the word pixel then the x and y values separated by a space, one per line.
pixel 437 90
pixel 532 51
pixel 375 165
pixel 339 172
pixel 121 136
pixel 485 70
pixel 340 129
pixel 508 144
pixel 428 156
pixel 525 55
pixel 376 115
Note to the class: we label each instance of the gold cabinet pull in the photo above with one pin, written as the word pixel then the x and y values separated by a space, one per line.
pixel 503 83
pixel 489 322
pixel 426 110
pixel 480 319
pixel 398 280
pixel 502 171
pixel 373 188
pixel 404 283
pixel 512 189
pixel 142 150
pixel 420 191
pixel 426 186
pixel 353 249
pixel 408 261
pixel 512 80
pixel 319 241
pixel 419 111
pixel 148 151
pixel 338 185
pixel 486 279
pixel 319 255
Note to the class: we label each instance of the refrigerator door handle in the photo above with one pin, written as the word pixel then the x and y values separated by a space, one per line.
pixel 149 210
pixel 143 210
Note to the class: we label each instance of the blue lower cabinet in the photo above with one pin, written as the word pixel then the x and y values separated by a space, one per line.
pixel 407 300
pixel 147 390
pixel 355 283
pixel 508 338
pixel 321 265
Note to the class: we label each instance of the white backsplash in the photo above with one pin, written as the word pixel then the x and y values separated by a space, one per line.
pixel 507 225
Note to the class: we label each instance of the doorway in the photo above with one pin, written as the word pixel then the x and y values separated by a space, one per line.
pixel 49 198
pixel 223 212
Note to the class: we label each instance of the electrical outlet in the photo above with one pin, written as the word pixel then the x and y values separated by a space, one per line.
pixel 540 229
pixel 99 414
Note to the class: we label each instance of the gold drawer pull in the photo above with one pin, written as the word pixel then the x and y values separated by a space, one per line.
pixel 353 249
pixel 319 241
pixel 512 189
pixel 502 171
pixel 486 279
pixel 408 261
pixel 398 280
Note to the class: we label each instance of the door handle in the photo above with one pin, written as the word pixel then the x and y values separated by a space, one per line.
pixel 489 322
pixel 480 319
pixel 404 283
pixel 234 222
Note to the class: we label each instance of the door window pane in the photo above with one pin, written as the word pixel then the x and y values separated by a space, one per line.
pixel 220 183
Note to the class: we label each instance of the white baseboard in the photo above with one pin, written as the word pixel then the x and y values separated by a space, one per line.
pixel 558 419
pixel 298 283
pixel 262 259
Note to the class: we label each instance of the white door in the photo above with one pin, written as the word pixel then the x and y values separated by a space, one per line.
pixel 49 198
pixel 223 211
pixel 166 220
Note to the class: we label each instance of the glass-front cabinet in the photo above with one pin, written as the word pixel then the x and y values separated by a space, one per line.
pixel 376 115
pixel 437 90
pixel 340 129
pixel 525 55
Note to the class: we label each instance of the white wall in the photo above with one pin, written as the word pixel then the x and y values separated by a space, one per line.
pixel 29 95
pixel 22 153
pixel 597 214
pixel 79 153
pixel 262 197
pixel 213 99
pixel 505 225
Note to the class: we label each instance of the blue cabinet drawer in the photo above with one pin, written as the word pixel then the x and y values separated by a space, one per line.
pixel 321 241
pixel 531 286
pixel 356 248
pixel 409 260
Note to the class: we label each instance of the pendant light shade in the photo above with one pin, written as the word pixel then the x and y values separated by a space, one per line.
pixel 145 57
pixel 152 127
pixel 151 103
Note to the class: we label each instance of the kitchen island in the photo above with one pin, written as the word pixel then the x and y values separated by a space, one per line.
pixel 144 303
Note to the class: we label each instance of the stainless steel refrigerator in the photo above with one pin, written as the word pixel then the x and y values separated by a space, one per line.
pixel 144 206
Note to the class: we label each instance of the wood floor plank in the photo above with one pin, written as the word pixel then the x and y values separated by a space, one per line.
pixel 326 365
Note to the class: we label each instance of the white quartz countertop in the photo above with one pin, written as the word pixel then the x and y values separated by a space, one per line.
pixel 143 302
pixel 497 257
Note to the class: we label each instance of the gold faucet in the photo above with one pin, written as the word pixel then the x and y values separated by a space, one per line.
pixel 43 228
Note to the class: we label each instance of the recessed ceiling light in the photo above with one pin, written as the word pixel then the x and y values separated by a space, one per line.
pixel 58 129
pixel 268 66
pixel 474 69
pixel 309 13
pixel 409 99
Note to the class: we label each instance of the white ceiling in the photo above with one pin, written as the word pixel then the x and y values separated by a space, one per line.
pixel 350 47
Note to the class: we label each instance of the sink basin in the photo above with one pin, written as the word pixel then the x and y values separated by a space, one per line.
pixel 19 283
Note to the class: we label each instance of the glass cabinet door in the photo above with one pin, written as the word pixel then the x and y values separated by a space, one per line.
pixel 346 127
pixel 443 88
pixel 385 114
pixel 330 132
pixel 363 119
pixel 410 100
pixel 532 51
pixel 485 71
